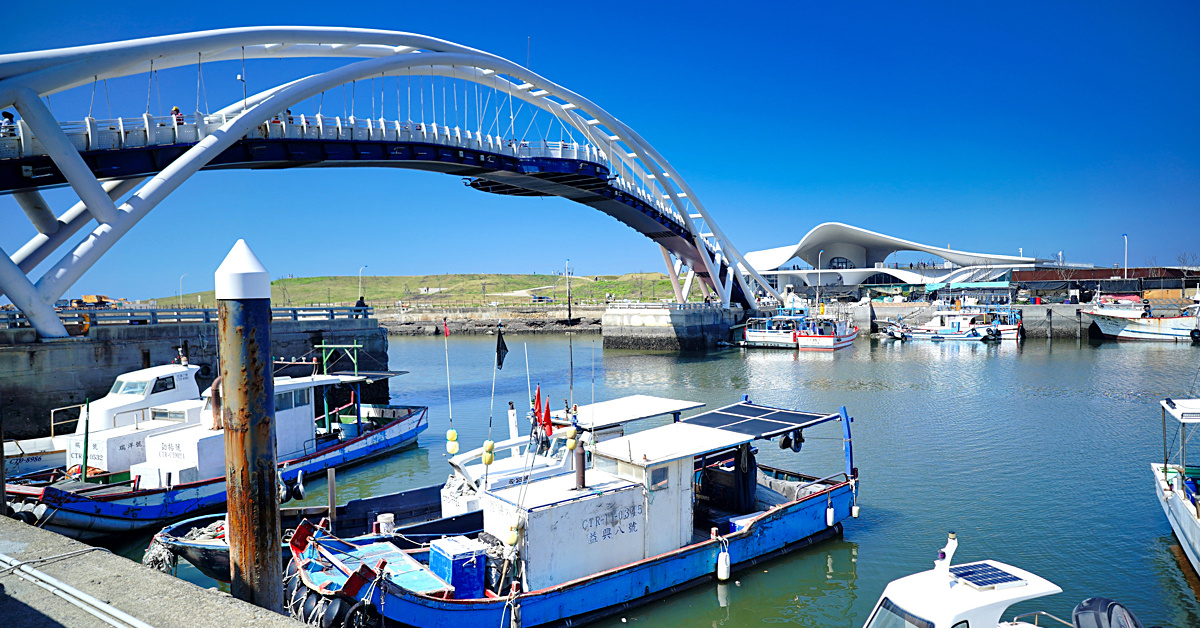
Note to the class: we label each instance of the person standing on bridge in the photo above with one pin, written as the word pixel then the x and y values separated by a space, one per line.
pixel 361 305
pixel 176 115
pixel 7 126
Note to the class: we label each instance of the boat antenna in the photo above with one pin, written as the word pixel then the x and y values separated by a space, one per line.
pixel 446 340
pixel 593 370
pixel 571 367
pixel 528 383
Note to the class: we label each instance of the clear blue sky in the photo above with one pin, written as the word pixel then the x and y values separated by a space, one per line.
pixel 1047 126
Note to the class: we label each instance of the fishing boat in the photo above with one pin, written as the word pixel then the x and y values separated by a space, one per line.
pixel 659 511
pixel 127 404
pixel 1175 482
pixel 977 594
pixel 448 509
pixel 981 324
pixel 800 332
pixel 184 471
pixel 1132 323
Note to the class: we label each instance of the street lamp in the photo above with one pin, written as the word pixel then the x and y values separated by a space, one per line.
pixel 819 275
pixel 1126 236
pixel 181 289
pixel 360 293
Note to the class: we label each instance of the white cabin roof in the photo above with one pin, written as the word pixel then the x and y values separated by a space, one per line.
pixel 670 442
pixel 154 372
pixel 623 410
pixel 1185 410
pixel 283 384
pixel 943 600
pixel 560 488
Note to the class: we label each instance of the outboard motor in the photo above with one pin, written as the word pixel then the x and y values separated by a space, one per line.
pixel 1101 612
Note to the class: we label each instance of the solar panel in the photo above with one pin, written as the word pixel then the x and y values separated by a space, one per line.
pixel 983 576
pixel 758 421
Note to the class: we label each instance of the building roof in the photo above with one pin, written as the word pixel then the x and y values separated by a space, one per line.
pixel 878 246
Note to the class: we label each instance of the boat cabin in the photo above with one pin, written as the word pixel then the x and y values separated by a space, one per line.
pixel 971 595
pixel 117 449
pixel 598 422
pixel 133 393
pixel 197 452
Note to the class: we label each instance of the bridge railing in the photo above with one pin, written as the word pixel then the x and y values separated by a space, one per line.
pixel 157 316
pixel 667 306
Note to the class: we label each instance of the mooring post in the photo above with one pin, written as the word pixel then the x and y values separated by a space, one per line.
pixel 331 481
pixel 243 291
pixel 1049 323
pixel 3 492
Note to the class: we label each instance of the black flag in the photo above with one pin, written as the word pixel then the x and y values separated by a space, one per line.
pixel 501 348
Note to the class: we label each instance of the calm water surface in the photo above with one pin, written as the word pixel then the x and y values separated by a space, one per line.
pixel 1037 455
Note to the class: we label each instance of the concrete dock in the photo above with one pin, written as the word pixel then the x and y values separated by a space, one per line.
pixel 148 595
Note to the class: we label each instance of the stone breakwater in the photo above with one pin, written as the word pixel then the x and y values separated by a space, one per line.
pixel 516 320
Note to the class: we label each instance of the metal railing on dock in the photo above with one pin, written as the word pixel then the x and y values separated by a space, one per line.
pixel 158 316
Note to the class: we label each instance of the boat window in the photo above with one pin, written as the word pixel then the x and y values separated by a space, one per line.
pixel 630 471
pixel 659 478
pixel 126 387
pixel 207 404
pixel 283 401
pixel 888 615
pixel 303 397
pixel 962 624
pixel 607 465
pixel 163 384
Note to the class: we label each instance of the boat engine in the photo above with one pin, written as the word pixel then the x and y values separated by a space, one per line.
pixel 1101 612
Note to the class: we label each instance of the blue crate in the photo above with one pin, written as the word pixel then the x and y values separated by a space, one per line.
pixel 462 562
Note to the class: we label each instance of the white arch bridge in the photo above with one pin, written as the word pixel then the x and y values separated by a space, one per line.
pixel 121 168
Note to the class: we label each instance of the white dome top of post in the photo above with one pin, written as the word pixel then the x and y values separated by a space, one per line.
pixel 242 276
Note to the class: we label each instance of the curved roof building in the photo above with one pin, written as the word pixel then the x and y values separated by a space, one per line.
pixel 841 254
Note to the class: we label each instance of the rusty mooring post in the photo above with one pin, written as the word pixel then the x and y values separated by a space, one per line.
pixel 243 293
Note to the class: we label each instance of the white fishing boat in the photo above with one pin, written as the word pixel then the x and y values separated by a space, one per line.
pixel 977 324
pixel 1175 482
pixel 127 403
pixel 803 333
pixel 977 594
pixel 1133 323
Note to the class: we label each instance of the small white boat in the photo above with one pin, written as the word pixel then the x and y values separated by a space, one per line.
pixel 803 333
pixel 1125 323
pixel 976 595
pixel 1175 481
pixel 966 324
pixel 127 403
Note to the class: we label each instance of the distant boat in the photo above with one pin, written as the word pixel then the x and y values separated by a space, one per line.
pixel 127 404
pixel 1175 481
pixel 1125 323
pixel 660 510
pixel 978 324
pixel 977 594
pixel 800 332
pixel 184 472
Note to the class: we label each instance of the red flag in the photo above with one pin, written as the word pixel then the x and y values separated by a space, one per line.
pixel 537 406
pixel 546 418
pixel 445 328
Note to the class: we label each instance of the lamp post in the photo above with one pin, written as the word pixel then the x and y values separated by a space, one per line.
pixel 819 275
pixel 181 289
pixel 360 280
pixel 1126 236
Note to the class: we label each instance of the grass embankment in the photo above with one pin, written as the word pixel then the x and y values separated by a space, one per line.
pixel 450 290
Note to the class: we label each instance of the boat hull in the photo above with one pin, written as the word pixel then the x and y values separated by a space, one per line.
pixel 797 341
pixel 1170 329
pixel 1181 513
pixel 975 334
pixel 83 517
pixel 781 530
pixel 33 462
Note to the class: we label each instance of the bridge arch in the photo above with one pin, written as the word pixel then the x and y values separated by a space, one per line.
pixel 698 245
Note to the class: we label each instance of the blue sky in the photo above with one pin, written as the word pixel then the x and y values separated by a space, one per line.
pixel 1042 126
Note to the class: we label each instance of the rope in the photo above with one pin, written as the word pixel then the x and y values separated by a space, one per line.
pixel 149 86
pixel 107 100
pixel 49 559
pixel 95 79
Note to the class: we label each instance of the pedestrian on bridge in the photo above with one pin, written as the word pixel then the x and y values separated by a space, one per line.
pixel 7 126
pixel 361 304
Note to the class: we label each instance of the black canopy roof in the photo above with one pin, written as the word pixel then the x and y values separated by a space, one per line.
pixel 759 421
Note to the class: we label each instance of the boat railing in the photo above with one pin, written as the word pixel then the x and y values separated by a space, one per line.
pixel 1039 614
pixel 54 422
pixel 824 480
pixel 147 316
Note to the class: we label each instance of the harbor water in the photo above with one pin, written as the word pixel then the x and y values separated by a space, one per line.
pixel 1037 454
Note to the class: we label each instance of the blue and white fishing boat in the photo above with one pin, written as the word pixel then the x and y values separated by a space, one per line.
pixel 659 511
pixel 1175 482
pixel 980 324
pixel 184 469
pixel 977 594
pixel 802 333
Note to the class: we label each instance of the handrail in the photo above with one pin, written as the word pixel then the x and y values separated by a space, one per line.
pixel 54 424
pixel 156 316
pixel 1036 614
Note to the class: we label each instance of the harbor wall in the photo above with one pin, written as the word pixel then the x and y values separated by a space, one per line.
pixel 38 376
pixel 667 327
pixel 1058 320
pixel 531 319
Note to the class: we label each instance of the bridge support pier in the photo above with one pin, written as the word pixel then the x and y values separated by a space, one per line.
pixel 25 296
pixel 37 211
pixel 671 327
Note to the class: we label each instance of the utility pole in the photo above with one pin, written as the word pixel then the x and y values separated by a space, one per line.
pixel 1126 236
pixel 243 294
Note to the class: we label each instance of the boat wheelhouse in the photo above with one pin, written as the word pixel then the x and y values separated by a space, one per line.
pixel 184 471
pixel 127 404
pixel 977 594
pixel 659 511
pixel 1175 482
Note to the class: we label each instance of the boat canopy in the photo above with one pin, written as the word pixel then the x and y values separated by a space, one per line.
pixel 758 421
pixel 598 416
pixel 1184 410
pixel 670 442
pixel 369 377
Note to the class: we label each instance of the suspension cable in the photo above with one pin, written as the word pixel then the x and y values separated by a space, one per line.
pixel 95 79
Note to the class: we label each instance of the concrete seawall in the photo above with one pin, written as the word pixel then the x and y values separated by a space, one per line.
pixel 667 328
pixel 1040 321
pixel 481 320
pixel 39 376
pixel 148 595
